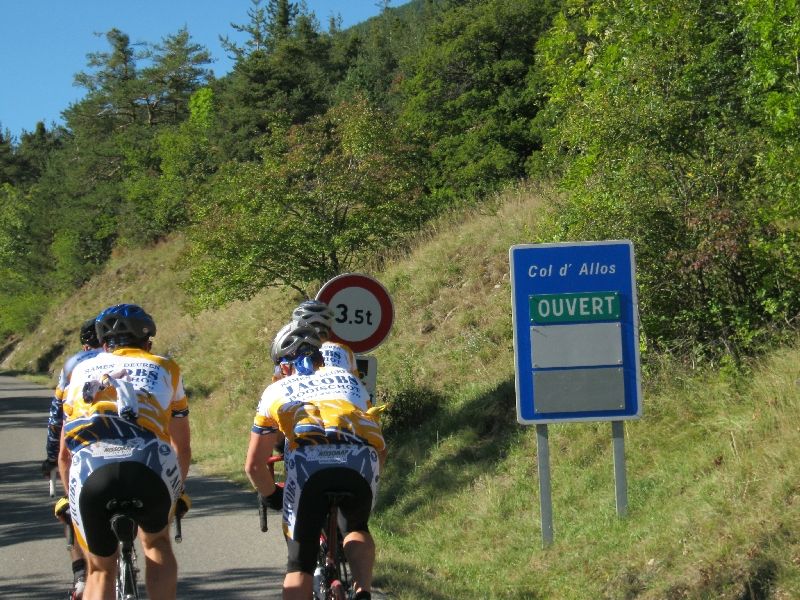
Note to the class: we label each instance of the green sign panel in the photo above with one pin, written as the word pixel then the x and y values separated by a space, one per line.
pixel 580 307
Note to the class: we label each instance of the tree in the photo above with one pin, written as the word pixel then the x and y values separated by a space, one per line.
pixel 328 194
pixel 37 147
pixel 465 96
pixel 287 74
pixel 22 296
pixel 369 59
pixel 647 121
pixel 11 169
pixel 178 69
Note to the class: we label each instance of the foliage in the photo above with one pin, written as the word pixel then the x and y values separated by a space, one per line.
pixel 408 406
pixel 674 124
pixel 282 69
pixel 647 120
pixel 465 94
pixel 22 293
pixel 327 194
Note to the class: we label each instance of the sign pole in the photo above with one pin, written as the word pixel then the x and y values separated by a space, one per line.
pixel 620 478
pixel 545 490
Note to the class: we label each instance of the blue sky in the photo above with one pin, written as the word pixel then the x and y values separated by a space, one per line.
pixel 43 43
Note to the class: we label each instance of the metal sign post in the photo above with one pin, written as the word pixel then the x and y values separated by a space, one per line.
pixel 620 478
pixel 545 489
pixel 576 345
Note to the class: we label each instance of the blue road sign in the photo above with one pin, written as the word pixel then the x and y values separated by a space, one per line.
pixel 576 332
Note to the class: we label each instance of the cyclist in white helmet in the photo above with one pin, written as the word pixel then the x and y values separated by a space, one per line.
pixel 322 411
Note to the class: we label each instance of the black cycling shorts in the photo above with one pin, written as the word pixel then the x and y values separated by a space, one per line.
pixel 124 480
pixel 313 509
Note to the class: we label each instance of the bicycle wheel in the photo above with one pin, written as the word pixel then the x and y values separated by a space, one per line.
pixel 338 591
pixel 342 568
pixel 126 579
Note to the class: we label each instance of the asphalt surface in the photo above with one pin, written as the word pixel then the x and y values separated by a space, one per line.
pixel 224 555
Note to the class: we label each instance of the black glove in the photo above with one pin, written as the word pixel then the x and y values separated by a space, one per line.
pixel 61 510
pixel 274 500
pixel 48 464
pixel 182 505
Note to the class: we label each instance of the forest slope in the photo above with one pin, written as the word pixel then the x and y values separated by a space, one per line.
pixel 713 477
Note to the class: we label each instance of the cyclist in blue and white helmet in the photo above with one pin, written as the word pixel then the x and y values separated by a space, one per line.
pixel 126 435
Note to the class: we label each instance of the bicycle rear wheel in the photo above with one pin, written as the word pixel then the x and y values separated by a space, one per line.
pixel 126 579
pixel 338 591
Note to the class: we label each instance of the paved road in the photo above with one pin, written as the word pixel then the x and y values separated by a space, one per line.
pixel 224 555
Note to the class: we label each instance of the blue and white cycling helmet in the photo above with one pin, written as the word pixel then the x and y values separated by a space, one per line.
pixel 123 324
pixel 313 313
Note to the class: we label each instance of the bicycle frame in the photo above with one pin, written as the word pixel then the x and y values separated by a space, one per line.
pixel 125 528
pixel 332 561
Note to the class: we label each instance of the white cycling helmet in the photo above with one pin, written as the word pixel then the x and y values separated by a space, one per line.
pixel 313 313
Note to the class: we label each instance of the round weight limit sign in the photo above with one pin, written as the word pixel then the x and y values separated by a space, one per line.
pixel 362 310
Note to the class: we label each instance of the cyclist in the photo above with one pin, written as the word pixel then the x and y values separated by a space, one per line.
pixel 90 347
pixel 332 444
pixel 126 436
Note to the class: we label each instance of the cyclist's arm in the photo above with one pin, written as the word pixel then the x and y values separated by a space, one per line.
pixel 55 422
pixel 181 440
pixel 255 465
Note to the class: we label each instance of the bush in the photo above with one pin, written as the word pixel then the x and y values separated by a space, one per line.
pixel 408 407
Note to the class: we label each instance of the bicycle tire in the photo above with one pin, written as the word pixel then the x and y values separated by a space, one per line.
pixel 126 579
pixel 338 591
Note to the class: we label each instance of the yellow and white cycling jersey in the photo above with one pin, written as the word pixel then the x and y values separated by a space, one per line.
pixel 328 407
pixel 65 374
pixel 338 355
pixel 154 380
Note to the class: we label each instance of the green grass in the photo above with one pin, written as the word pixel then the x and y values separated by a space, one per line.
pixel 714 483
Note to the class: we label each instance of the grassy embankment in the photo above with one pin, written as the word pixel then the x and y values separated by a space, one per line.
pixel 714 485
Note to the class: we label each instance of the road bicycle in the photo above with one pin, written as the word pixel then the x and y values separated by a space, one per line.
pixel 332 573
pixel 123 524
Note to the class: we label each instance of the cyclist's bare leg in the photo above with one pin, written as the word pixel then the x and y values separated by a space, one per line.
pixel 297 586
pixel 161 567
pixel 101 577
pixel 75 552
pixel 359 547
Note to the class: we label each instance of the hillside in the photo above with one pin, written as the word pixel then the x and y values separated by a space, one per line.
pixel 714 498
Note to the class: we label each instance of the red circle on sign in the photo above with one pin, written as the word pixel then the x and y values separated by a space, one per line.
pixel 357 280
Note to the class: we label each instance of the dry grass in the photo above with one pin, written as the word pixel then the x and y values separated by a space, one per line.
pixel 713 476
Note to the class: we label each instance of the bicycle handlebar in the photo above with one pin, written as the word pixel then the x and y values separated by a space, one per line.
pixel 178 531
pixel 262 517
pixel 70 535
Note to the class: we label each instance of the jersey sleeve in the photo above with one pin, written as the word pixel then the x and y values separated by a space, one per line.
pixel 61 386
pixel 180 403
pixel 264 422
pixel 180 407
